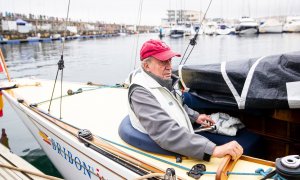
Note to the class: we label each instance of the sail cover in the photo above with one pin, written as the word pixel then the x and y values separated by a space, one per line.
pixel 260 83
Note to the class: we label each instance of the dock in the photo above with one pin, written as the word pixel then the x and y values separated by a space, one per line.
pixel 14 167
pixel 47 40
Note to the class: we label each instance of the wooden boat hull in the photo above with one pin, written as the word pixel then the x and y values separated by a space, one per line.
pixel 70 157
pixel 101 110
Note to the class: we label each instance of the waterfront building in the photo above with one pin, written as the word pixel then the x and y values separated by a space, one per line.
pixel 181 17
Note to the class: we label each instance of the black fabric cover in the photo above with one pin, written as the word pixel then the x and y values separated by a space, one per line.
pixel 267 88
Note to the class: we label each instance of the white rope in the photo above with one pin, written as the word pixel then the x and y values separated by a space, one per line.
pixel 181 78
pixel 240 100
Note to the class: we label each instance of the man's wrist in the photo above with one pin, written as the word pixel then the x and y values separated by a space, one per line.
pixel 209 149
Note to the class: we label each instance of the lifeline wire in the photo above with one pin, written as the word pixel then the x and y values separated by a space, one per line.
pixel 193 40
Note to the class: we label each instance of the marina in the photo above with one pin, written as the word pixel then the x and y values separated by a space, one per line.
pixel 16 28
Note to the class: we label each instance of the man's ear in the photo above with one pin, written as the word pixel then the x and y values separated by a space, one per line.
pixel 146 66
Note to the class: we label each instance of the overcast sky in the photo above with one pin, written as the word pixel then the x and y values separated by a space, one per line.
pixel 126 11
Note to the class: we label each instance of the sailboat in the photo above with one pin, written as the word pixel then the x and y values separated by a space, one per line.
pixel 177 30
pixel 81 134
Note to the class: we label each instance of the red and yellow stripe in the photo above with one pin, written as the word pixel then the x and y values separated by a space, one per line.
pixel 45 137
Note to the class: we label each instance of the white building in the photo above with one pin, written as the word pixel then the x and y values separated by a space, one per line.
pixel 9 25
pixel 182 17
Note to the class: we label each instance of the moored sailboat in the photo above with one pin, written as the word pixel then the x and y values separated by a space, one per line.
pixel 77 153
pixel 105 155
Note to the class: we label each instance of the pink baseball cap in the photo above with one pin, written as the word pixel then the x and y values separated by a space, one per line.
pixel 157 49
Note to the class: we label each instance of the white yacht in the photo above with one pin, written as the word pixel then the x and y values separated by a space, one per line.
pixel 292 24
pixel 247 26
pixel 210 28
pixel 271 26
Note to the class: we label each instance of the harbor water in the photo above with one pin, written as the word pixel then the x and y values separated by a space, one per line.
pixel 108 61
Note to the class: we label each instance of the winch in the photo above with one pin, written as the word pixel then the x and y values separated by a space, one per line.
pixel 287 167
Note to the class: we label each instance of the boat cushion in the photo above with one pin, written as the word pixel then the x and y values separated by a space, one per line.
pixel 251 142
pixel 140 140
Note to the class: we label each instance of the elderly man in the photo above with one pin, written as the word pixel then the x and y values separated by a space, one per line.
pixel 156 108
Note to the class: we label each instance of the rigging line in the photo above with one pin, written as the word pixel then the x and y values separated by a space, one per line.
pixel 137 39
pixel 193 41
pixel 61 84
pixel 90 89
pixel 61 61
pixel 188 55
pixel 66 23
pixel 53 91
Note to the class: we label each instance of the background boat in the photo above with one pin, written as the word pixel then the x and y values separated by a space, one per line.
pixel 292 24
pixel 247 26
pixel 223 29
pixel 177 31
pixel 210 28
pixel 271 26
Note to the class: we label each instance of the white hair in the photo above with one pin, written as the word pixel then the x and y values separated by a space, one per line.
pixel 146 60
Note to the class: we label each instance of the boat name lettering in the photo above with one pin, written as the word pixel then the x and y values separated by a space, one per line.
pixel 67 155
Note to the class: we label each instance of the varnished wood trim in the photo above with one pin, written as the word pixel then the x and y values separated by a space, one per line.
pixel 259 161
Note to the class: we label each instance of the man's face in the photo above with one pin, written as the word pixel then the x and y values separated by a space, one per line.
pixel 162 69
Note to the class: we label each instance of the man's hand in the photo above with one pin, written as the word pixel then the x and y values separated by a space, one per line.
pixel 205 120
pixel 232 148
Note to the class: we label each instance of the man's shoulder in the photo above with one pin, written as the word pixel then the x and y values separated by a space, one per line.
pixel 128 80
pixel 137 89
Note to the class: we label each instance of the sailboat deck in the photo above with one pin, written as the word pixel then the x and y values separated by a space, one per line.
pixel 101 109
